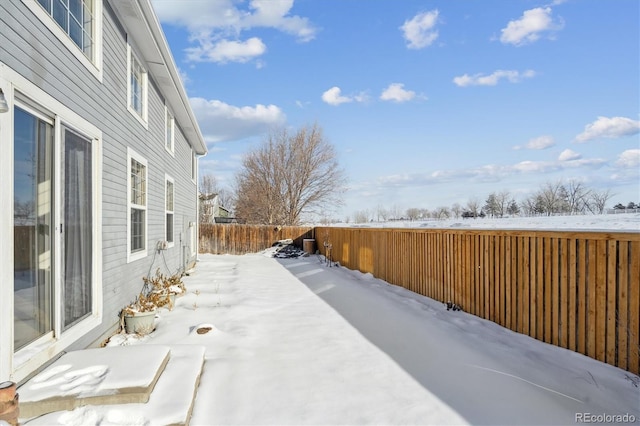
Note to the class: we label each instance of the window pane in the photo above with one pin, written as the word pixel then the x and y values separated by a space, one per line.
pixel 170 227
pixel 75 9
pixel 169 131
pixel 137 230
pixel 61 14
pixel 87 25
pixel 136 81
pixel 46 4
pixel 75 32
pixel 87 45
pixel 33 233
pixel 169 196
pixel 77 229
pixel 138 183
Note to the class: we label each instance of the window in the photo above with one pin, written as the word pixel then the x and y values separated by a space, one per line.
pixel 77 24
pixel 168 130
pixel 75 17
pixel 169 209
pixel 137 87
pixel 137 190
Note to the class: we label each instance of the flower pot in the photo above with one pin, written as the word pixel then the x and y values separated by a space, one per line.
pixel 9 409
pixel 140 322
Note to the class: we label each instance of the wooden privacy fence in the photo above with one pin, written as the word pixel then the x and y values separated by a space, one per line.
pixel 576 290
pixel 241 239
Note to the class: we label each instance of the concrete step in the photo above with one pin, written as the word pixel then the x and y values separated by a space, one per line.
pixel 168 399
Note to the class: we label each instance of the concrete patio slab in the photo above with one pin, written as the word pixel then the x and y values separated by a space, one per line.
pixel 94 376
pixel 170 403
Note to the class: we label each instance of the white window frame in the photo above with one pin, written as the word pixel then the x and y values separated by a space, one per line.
pixel 169 131
pixel 169 180
pixel 142 253
pixel 19 365
pixel 93 64
pixel 132 60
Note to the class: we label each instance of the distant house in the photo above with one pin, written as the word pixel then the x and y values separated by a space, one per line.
pixel 98 169
pixel 212 211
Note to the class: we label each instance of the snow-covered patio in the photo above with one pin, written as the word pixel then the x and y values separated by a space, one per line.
pixel 294 341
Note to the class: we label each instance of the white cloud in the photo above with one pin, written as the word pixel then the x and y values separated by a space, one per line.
pixel 335 97
pixel 225 51
pixel 629 159
pixel 361 97
pixel 490 172
pixel 223 122
pixel 215 26
pixel 530 26
pixel 610 128
pixel 535 167
pixel 396 93
pixel 493 78
pixel 541 142
pixel 275 14
pixel 569 155
pixel 419 31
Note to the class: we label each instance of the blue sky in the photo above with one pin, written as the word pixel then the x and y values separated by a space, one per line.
pixel 428 103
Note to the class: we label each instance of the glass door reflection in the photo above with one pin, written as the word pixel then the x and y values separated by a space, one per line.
pixel 33 231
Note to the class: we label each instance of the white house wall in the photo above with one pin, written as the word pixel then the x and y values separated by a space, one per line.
pixel 29 51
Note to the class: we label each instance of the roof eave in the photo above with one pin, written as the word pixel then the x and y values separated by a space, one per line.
pixel 141 23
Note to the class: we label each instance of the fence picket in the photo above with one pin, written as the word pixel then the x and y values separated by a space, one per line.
pixel 611 301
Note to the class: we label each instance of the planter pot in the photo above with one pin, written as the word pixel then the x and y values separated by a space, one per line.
pixel 172 298
pixel 140 323
pixel 9 409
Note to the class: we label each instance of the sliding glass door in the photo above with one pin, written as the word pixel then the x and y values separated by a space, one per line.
pixel 33 231
pixel 53 227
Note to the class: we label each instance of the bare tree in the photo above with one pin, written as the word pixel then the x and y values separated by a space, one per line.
pixel 456 210
pixel 382 214
pixel 413 213
pixel 529 206
pixel 395 212
pixel 577 196
pixel 361 216
pixel 553 198
pixel 598 200
pixel 208 184
pixel 290 174
pixel 473 206
pixel 502 203
pixel 441 213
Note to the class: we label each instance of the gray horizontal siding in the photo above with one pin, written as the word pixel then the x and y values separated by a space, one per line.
pixel 28 47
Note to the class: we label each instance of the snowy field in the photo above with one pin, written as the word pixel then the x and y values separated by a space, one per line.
pixel 295 342
pixel 620 222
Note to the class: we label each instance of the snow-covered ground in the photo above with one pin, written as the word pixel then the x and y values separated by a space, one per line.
pixel 617 222
pixel 296 342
